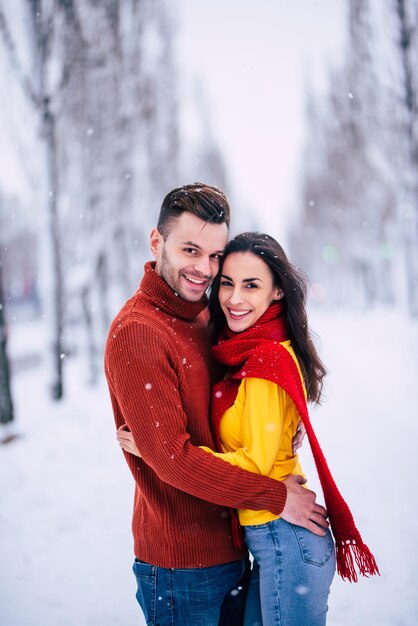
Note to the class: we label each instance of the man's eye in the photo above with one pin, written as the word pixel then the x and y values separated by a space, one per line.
pixel 216 257
pixel 190 250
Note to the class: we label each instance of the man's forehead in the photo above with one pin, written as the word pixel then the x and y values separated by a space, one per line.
pixel 190 230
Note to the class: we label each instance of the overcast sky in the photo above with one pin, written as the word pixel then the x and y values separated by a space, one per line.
pixel 254 59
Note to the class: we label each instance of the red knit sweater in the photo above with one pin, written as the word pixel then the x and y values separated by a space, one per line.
pixel 156 363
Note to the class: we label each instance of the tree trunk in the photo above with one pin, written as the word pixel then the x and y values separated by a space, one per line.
pixel 57 296
pixel 410 216
pixel 52 252
pixel 92 348
pixel 6 403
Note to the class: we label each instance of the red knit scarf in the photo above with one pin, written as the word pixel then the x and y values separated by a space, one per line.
pixel 257 353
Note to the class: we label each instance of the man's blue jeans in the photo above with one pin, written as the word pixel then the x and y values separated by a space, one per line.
pixel 208 596
pixel 292 574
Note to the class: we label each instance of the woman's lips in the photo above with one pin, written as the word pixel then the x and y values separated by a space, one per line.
pixel 238 315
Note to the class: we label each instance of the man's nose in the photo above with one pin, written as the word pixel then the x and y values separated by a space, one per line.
pixel 202 266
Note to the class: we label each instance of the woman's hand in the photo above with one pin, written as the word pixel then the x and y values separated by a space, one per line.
pixel 126 441
pixel 297 440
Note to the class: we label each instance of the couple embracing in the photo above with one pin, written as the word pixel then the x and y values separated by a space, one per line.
pixel 209 397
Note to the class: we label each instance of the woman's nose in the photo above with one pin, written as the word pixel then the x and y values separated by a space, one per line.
pixel 236 297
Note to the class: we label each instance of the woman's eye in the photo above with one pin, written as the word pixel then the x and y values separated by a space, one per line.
pixel 251 286
pixel 225 283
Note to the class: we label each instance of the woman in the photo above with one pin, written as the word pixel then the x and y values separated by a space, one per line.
pixel 257 306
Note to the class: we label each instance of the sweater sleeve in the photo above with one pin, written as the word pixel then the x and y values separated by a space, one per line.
pixel 261 426
pixel 145 386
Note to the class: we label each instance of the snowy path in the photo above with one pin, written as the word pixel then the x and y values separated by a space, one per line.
pixel 65 493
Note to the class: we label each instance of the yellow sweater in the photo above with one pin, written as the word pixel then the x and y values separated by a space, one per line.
pixel 256 434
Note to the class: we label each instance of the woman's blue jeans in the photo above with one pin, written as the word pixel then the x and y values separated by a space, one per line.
pixel 292 574
pixel 208 596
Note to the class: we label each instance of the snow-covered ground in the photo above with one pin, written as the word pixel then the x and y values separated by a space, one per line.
pixel 66 494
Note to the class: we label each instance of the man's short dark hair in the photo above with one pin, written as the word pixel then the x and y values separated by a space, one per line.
pixel 204 201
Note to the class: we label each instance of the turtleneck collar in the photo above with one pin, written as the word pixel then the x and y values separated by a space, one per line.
pixel 162 296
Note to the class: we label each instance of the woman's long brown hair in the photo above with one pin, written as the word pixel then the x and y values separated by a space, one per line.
pixel 293 283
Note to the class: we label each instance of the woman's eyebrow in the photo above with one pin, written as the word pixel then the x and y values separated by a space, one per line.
pixel 244 280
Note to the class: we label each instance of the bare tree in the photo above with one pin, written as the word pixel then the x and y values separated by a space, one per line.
pixel 348 230
pixel 6 403
pixel 407 16
pixel 120 122
pixel 43 96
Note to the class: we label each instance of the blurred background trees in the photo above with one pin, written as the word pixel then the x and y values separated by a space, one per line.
pixel 99 116
pixel 99 80
pixel 357 231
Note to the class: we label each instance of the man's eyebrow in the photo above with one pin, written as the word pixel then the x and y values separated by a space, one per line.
pixel 196 245
pixel 190 243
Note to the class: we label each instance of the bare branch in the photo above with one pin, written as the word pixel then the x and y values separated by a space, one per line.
pixel 25 83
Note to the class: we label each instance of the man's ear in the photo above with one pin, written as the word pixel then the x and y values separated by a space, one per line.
pixel 155 240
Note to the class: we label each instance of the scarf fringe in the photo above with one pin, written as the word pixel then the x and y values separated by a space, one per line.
pixel 350 554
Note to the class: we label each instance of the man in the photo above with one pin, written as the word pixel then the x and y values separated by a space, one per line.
pixel 159 372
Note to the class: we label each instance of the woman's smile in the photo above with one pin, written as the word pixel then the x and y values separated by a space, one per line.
pixel 237 314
